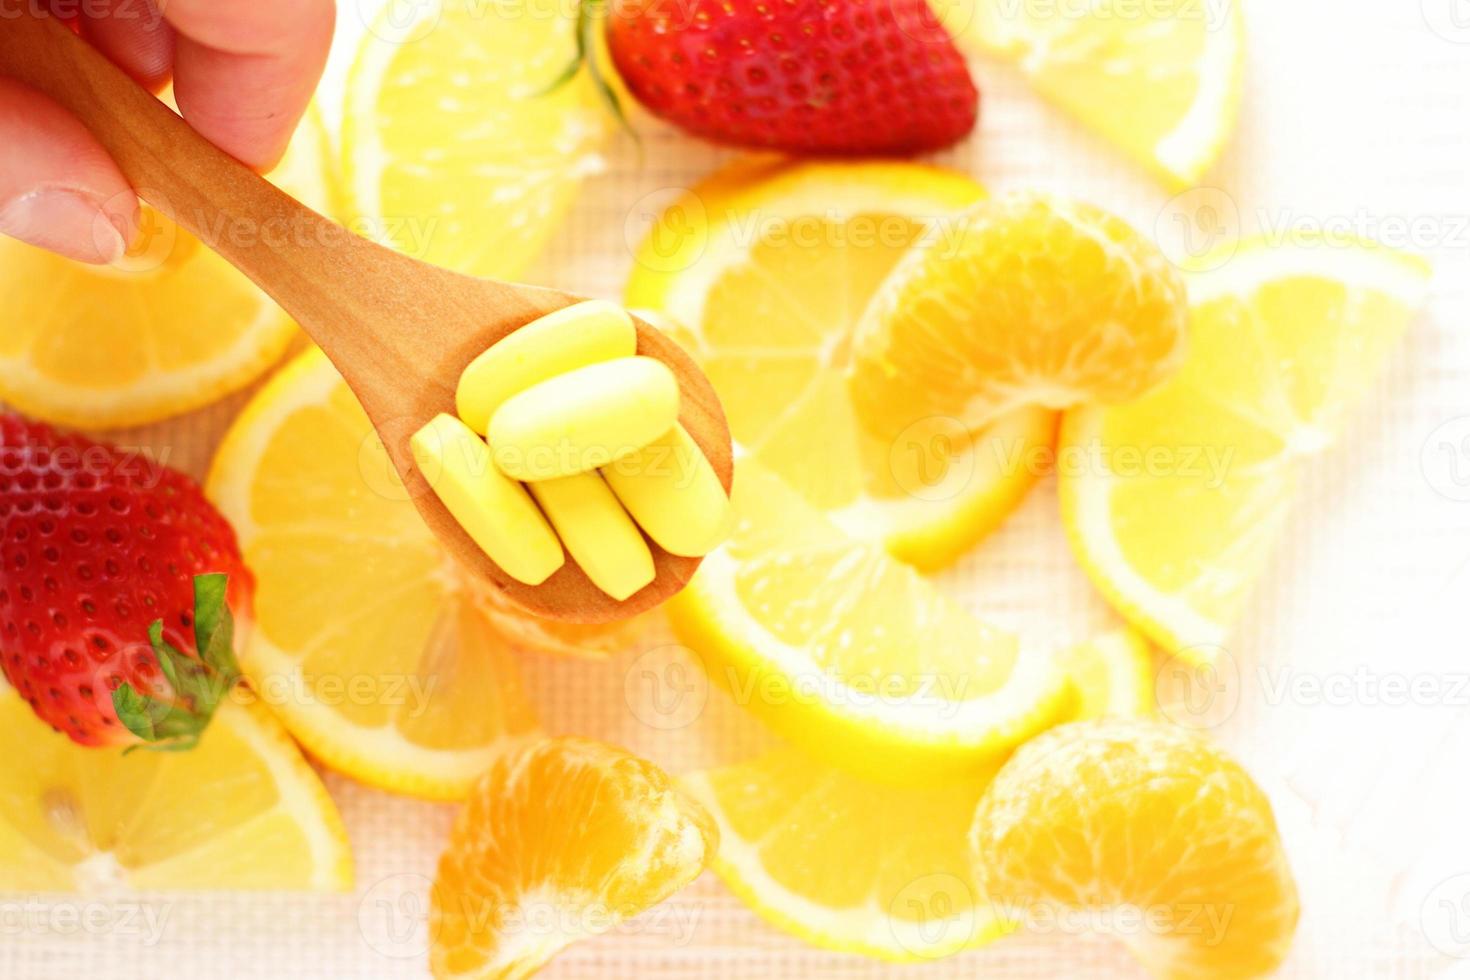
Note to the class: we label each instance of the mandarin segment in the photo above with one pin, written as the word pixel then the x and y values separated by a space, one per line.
pixel 561 840
pixel 1041 300
pixel 1132 821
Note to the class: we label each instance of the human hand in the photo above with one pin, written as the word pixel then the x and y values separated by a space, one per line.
pixel 243 72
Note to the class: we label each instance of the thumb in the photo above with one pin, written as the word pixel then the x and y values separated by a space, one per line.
pixel 58 188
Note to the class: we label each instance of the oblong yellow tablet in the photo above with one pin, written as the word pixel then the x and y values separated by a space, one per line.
pixel 571 338
pixel 584 419
pixel 598 533
pixel 673 492
pixel 494 510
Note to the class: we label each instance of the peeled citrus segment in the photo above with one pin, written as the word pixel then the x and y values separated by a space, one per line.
pixel 767 268
pixel 458 149
pixel 242 810
pixel 171 327
pixel 848 864
pixel 1161 81
pixel 561 840
pixel 1132 822
pixel 367 642
pixel 1039 300
pixel 1174 503
pixel 1112 676
pixel 851 654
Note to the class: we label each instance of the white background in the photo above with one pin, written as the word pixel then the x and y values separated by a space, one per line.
pixel 1357 113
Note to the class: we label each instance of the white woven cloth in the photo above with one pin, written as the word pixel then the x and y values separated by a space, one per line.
pixel 1348 685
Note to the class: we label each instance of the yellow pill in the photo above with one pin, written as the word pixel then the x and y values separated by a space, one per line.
pixel 584 419
pixel 598 533
pixel 571 338
pixel 673 492
pixel 495 511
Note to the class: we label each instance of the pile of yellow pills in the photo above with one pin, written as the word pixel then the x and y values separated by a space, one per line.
pixel 569 443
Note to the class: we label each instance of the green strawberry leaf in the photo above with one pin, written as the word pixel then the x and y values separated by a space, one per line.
pixel 134 711
pixel 198 684
pixel 214 626
pixel 209 604
pixel 188 677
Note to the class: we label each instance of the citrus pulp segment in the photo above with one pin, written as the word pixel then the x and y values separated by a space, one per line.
pixel 1161 81
pixel 561 840
pixel 242 810
pixel 458 148
pixel 1145 830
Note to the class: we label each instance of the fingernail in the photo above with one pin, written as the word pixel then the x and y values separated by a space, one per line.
pixel 64 221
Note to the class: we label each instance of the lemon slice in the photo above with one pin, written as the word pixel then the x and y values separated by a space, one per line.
pixel 848 864
pixel 242 810
pixel 457 149
pixel 767 268
pixel 1174 503
pixel 1112 676
pixel 1161 81
pixel 851 654
pixel 367 643
pixel 169 328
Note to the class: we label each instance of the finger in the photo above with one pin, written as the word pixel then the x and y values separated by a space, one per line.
pixel 58 188
pixel 133 35
pixel 244 70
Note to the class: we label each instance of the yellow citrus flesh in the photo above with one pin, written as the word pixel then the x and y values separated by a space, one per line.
pixel 1112 676
pixel 1039 301
pixel 852 654
pixel 1174 503
pixel 767 268
pixel 368 642
pixel 169 328
pixel 561 840
pixel 1145 830
pixel 849 864
pixel 242 810
pixel 1161 81
pixel 457 148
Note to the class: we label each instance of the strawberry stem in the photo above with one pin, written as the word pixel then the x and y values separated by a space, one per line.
pixel 199 683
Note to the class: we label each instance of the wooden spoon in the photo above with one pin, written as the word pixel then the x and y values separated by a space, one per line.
pixel 400 331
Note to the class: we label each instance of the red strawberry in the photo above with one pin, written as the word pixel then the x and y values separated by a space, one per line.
pixel 804 76
pixel 102 619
